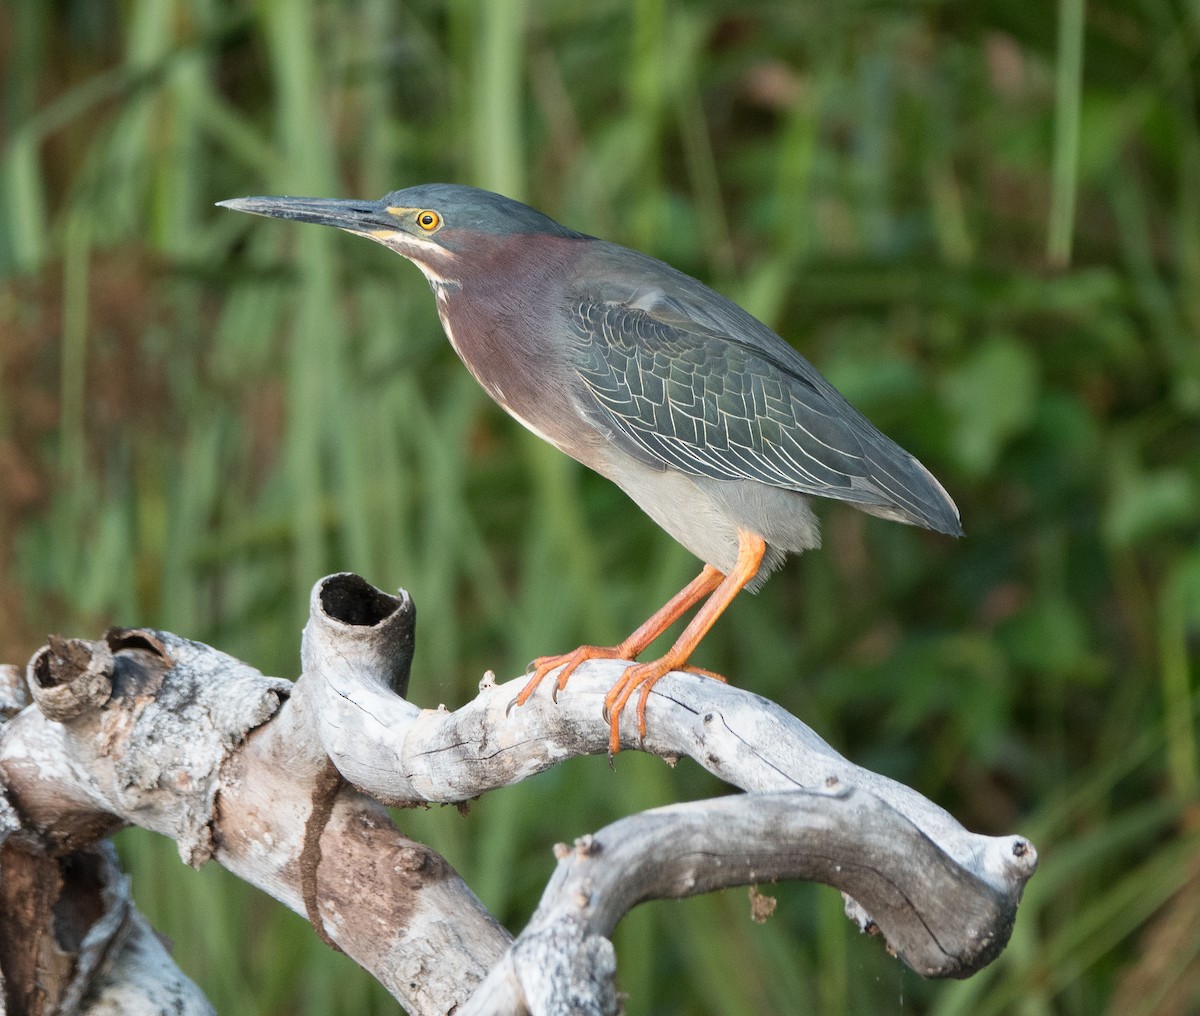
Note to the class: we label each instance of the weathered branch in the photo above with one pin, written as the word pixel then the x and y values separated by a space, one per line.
pixel 182 746
pixel 72 939
pixel 396 752
pixel 200 747
pixel 939 918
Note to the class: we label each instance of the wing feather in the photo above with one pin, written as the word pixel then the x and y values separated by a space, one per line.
pixel 687 384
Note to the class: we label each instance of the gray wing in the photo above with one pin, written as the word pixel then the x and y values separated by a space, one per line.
pixel 668 381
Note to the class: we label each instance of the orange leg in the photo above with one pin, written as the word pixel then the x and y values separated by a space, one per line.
pixel 644 675
pixel 660 621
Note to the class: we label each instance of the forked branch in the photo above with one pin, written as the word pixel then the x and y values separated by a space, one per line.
pixel 180 738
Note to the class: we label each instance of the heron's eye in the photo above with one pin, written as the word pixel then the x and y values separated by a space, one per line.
pixel 428 220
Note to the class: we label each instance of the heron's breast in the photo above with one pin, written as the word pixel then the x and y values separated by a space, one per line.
pixel 520 373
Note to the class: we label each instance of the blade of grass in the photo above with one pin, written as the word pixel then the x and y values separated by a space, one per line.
pixel 1068 78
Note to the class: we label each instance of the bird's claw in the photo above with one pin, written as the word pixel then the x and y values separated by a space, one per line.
pixel 639 677
pixel 566 663
pixel 643 676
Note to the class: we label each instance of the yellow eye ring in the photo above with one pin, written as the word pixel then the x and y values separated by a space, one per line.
pixel 428 220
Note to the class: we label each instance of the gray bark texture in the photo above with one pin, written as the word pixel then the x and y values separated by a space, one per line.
pixel 285 785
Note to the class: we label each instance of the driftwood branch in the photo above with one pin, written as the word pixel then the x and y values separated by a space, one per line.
pixel 151 729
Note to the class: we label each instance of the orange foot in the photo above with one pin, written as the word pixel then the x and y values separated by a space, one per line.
pixel 568 661
pixel 701 586
pixel 644 676
pixel 720 590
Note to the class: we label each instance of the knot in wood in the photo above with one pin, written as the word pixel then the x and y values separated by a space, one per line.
pixel 412 859
pixel 69 677
pixel 587 846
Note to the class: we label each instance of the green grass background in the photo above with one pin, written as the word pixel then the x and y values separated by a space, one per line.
pixel 981 221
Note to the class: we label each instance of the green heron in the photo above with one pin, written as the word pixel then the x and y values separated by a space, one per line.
pixel 709 421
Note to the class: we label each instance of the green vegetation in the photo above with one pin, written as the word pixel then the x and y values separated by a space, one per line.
pixel 981 221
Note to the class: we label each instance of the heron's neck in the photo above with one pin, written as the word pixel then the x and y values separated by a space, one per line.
pixel 501 317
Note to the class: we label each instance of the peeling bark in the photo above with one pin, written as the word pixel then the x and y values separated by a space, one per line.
pixel 73 942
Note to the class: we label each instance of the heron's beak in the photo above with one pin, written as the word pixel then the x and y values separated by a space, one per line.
pixel 366 217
